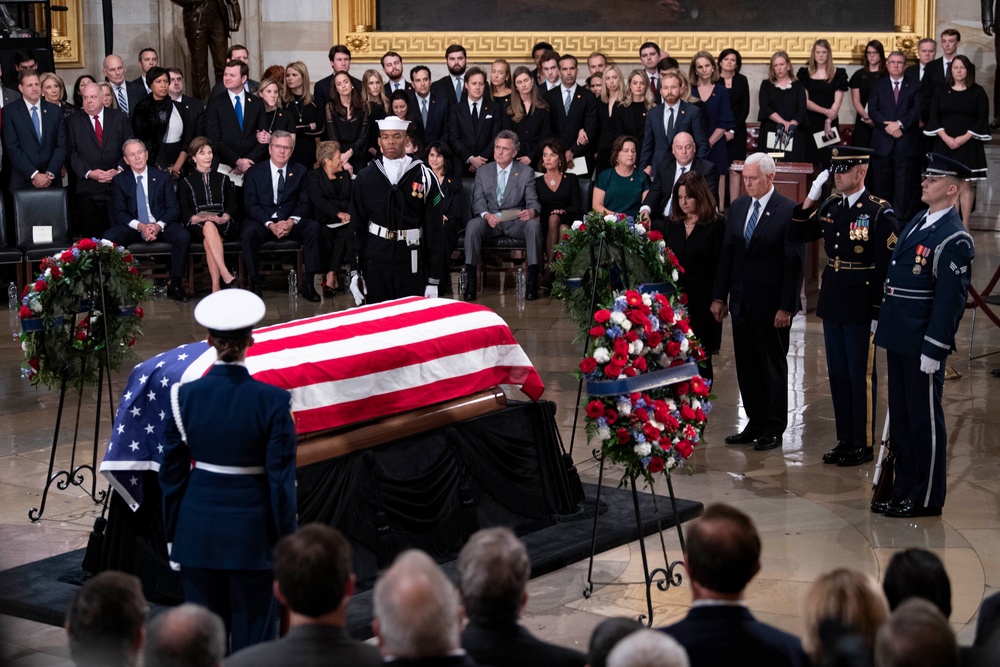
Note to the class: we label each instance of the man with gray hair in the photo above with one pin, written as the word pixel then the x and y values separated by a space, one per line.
pixel 505 203
pixel 186 636
pixel 916 635
pixel 493 572
pixel 418 618
pixel 648 648
pixel 758 280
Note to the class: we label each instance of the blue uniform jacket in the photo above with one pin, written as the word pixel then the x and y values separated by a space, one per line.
pixel 219 521
pixel 921 307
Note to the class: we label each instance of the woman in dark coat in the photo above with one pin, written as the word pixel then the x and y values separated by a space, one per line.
pixel 558 194
pixel 630 117
pixel 730 63
pixel 329 190
pixel 439 159
pixel 861 85
pixel 307 118
pixel 159 123
pixel 694 232
pixel 347 123
pixel 528 115
pixel 782 102
pixel 825 87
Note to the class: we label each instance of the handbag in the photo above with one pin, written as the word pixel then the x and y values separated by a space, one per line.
pixel 234 17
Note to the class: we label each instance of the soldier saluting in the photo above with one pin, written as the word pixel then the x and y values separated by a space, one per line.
pixel 397 224
pixel 859 231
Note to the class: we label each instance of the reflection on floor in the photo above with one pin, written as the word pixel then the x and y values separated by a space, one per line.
pixel 813 517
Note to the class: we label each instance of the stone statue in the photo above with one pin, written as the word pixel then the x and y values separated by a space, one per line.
pixel 207 31
pixel 990 28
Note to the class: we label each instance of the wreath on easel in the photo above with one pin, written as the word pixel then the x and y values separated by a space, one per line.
pixel 82 306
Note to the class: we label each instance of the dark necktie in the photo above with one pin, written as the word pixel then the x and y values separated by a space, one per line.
pixel 752 224
pixel 99 130
pixel 475 115
pixel 281 186
pixel 670 125
pixel 895 91
pixel 423 111
pixel 142 213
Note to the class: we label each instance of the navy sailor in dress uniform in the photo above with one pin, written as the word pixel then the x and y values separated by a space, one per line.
pixel 859 231
pixel 924 299
pixel 396 218
pixel 228 476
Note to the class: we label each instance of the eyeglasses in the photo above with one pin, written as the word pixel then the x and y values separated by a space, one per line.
pixel 283 147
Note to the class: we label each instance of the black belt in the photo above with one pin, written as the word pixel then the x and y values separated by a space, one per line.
pixel 837 265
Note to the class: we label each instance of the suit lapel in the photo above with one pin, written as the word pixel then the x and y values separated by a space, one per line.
pixel 765 217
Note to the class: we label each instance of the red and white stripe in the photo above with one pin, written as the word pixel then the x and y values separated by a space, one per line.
pixel 370 362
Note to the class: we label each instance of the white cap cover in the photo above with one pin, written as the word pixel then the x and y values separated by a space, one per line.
pixel 230 313
pixel 393 123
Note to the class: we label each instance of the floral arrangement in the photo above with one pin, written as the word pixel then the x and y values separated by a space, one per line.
pixel 63 330
pixel 655 430
pixel 633 255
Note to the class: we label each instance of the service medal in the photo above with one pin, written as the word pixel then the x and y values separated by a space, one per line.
pixel 858 249
pixel 917 269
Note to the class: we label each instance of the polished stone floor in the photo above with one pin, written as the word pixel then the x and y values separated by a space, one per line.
pixel 812 517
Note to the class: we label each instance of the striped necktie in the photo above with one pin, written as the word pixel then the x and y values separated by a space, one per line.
pixel 122 99
pixel 752 224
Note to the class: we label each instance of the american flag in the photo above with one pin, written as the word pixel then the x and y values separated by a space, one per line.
pixel 341 368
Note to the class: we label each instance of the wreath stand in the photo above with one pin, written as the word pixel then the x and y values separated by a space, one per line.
pixel 663 577
pixel 73 475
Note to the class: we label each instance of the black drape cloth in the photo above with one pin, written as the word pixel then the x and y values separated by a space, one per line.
pixel 430 491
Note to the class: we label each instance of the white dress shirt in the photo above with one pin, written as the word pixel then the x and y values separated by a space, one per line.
pixel 500 170
pixel 134 224
pixel 274 191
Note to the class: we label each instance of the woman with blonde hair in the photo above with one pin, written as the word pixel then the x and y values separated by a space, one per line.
pixel 630 117
pixel 848 598
pixel 328 187
pixel 307 118
pixel 613 94
pixel 782 103
pixel 109 99
pixel 375 100
pixel 708 88
pixel 500 81
pixel 275 116
pixel 825 87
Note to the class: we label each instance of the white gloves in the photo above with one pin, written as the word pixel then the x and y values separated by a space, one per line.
pixel 431 292
pixel 928 365
pixel 358 289
pixel 816 189
pixel 874 325
pixel 176 567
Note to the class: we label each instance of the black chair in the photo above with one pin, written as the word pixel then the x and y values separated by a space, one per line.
pixel 37 213
pixel 154 251
pixel 198 250
pixel 10 255
pixel 271 267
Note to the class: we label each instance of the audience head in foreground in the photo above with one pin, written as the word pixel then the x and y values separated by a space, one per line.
pixel 606 636
pixel 648 648
pixel 917 573
pixel 105 621
pixel 186 636
pixel 916 635
pixel 841 608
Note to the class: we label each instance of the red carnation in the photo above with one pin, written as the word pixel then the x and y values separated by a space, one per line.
pixel 597 331
pixel 86 244
pixel 595 409
pixel 669 422
pixel 684 298
pixel 651 432
pixel 588 365
pixel 684 325
pixel 682 388
pixel 139 312
pixel 602 316
pixel 40 285
pixel 623 435
pixel 687 414
pixel 655 236
pixel 684 448
pixel 640 364
pixel 633 298
pixel 25 313
pixel 621 346
pixel 632 336
pixel 127 259
pixel 654 339
pixel 619 358
pixel 611 415
pixel 655 464
pixel 700 415
pixel 673 348
pixel 43 263
pixel 33 363
pixel 557 255
pixel 612 370
pixel 629 371
pixel 666 314
pixel 81 335
pixel 66 256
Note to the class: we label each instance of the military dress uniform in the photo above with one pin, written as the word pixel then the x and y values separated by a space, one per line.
pixel 228 481
pixel 859 233
pixel 924 299
pixel 398 228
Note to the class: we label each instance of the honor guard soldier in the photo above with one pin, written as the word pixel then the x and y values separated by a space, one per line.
pixel 924 299
pixel 228 476
pixel 397 224
pixel 859 232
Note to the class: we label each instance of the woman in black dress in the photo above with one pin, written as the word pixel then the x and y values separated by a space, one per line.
pixel 500 82
pixel 825 86
pixel 861 85
pixel 730 63
pixel 81 81
pixel 377 103
pixel 276 117
pixel 439 159
pixel 347 123
pixel 959 123
pixel 159 122
pixel 694 232
pixel 609 102
pixel 528 115
pixel 558 194
pixel 329 190
pixel 307 118
pixel 782 102
pixel 630 117
pixel 207 200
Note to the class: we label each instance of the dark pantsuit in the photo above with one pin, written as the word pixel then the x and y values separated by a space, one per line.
pixel 243 598
pixel 305 231
pixel 92 215
pixel 850 357
pixel 897 178
pixel 916 421
pixel 392 281
pixel 337 246
pixel 174 234
pixel 762 372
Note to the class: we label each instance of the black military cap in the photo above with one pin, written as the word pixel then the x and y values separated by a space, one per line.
pixel 940 165
pixel 844 158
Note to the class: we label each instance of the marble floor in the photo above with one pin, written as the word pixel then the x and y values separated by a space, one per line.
pixel 812 517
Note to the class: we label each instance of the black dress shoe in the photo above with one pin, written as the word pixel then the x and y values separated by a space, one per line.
pixel 741 438
pixel 766 442
pixel 909 509
pixel 309 293
pixel 256 288
pixel 856 456
pixel 177 293
pixel 882 506
pixel 232 284
pixel 833 456
pixel 995 372
pixel 531 284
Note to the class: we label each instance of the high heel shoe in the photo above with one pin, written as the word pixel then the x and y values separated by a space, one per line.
pixel 232 284
pixel 330 291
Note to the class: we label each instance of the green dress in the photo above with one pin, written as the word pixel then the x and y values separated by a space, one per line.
pixel 623 194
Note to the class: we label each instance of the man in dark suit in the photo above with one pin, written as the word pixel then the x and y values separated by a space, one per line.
pixel 340 61
pixel 34 137
pixel 665 120
pixel 9 95
pixel 924 299
pixel 128 95
pixel 505 203
pixel 418 620
pixel 452 86
pixel 95 136
pixel 722 556
pixel 536 57
pixel 188 634
pixel 148 59
pixel 894 107
pixel 473 124
pixel 658 202
pixel 760 272
pixel 936 72
pixel 144 209
pixel 430 112
pixel 548 65
pixel 392 65
pixel 232 121
pixel 493 571
pixel 240 53
pixel 275 205
pixel 194 108
pixel 314 581
pixel 926 50
pixel 105 620
pixel 574 112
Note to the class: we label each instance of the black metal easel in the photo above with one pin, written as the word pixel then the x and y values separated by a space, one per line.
pixel 74 474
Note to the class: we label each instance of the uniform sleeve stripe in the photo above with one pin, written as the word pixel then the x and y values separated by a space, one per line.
pixel 936 342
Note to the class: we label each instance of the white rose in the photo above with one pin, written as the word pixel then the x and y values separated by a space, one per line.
pixel 609 218
pixel 640 229
pixel 635 347
pixel 684 345
pixel 37 306
pixel 577 225
pixel 624 407
pixel 48 273
pixel 643 449
pixel 695 404
pixel 618 317
pixel 647 300
pixel 106 243
pixel 602 355
pixel 669 462
pixel 674 275
pixel 671 406
pixel 604 433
